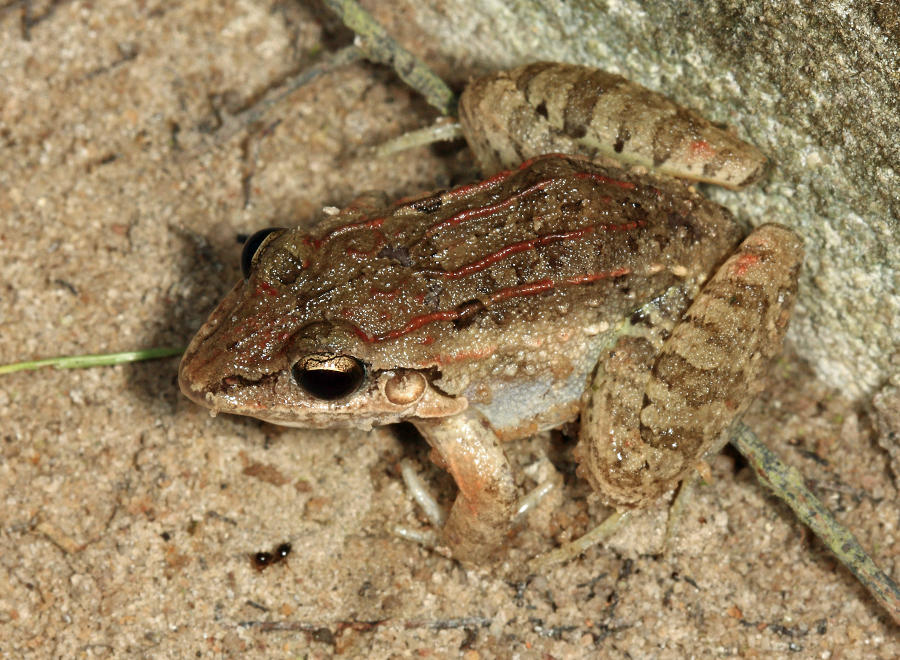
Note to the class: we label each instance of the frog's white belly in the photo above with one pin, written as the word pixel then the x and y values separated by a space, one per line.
pixel 529 404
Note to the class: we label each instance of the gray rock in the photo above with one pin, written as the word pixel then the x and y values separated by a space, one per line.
pixel 815 86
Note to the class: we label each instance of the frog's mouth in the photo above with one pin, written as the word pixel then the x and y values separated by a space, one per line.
pixel 276 398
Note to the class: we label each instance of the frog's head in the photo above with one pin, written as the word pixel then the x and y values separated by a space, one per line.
pixel 262 354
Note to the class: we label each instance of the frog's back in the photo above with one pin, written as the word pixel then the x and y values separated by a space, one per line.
pixel 501 290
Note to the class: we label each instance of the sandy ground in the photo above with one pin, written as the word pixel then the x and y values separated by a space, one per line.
pixel 129 516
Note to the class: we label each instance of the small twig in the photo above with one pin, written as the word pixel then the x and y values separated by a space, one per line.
pixel 334 61
pixel 314 626
pixel 380 47
pixel 787 483
pixel 450 624
pixel 84 361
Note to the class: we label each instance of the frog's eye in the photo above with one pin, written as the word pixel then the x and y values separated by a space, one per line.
pixel 329 377
pixel 252 245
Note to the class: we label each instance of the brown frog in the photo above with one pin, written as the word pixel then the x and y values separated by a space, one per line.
pixel 563 286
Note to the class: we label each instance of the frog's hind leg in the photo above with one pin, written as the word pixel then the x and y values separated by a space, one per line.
pixel 652 415
pixel 548 107
pixel 658 407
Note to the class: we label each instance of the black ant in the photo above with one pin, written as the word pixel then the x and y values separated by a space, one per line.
pixel 262 560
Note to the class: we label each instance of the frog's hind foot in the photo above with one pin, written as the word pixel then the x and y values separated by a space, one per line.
pixel 678 510
pixel 425 539
pixel 679 507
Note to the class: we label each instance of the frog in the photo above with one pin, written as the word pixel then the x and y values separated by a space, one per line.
pixel 584 278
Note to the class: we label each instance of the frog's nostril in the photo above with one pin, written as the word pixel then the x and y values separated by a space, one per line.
pixel 329 377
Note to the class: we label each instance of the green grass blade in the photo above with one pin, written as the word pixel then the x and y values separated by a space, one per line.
pixel 85 361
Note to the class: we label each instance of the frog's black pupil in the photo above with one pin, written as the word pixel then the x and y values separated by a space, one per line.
pixel 329 384
pixel 283 550
pixel 251 245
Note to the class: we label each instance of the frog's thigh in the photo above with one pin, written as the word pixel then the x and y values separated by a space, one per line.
pixel 482 513
pixel 548 107
pixel 652 417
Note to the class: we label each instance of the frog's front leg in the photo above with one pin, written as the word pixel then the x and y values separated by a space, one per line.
pixel 482 513
pixel 653 413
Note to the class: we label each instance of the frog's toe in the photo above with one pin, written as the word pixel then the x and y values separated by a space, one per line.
pixel 529 502
pixel 579 546
pixel 425 539
pixel 420 493
pixel 546 494
pixel 429 505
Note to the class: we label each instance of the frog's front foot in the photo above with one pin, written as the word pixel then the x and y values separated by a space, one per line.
pixel 481 517
pixel 550 480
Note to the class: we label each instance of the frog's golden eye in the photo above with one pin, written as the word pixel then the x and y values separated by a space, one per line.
pixel 329 377
pixel 252 245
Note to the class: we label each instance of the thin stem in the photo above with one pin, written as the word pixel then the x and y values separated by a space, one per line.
pixel 99 360
pixel 380 47
pixel 788 484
